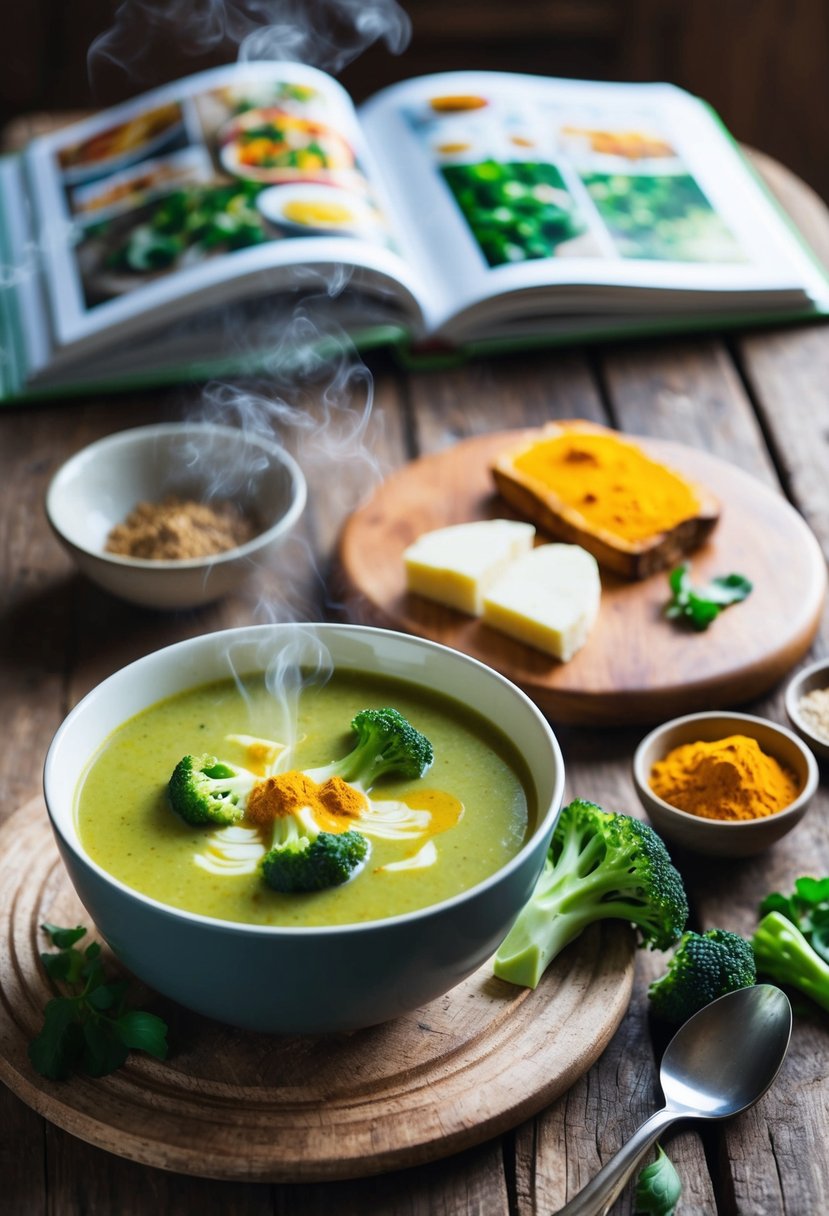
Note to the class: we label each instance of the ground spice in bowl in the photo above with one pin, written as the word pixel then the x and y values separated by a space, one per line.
pixel 731 779
pixel 176 529
pixel 813 708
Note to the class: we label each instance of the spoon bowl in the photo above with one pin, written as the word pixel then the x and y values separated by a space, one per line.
pixel 726 1056
pixel 719 1062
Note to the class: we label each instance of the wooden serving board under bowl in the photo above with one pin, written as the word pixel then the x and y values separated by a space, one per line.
pixel 636 666
pixel 231 1104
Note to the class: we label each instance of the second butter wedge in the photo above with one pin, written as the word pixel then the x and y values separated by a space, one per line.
pixel 548 598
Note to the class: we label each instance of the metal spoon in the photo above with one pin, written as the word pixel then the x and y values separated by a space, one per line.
pixel 718 1063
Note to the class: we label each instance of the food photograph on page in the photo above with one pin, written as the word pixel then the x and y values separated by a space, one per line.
pixel 414 609
pixel 221 170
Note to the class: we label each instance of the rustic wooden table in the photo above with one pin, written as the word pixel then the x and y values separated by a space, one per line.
pixel 759 400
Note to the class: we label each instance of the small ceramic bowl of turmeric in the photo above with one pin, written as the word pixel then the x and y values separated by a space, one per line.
pixel 726 784
pixel 177 514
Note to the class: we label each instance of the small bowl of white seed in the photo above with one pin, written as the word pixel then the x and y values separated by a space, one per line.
pixel 807 704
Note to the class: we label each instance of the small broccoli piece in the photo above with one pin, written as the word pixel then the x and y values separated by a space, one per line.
pixel 784 955
pixel 305 859
pixel 703 967
pixel 600 865
pixel 203 790
pixel 808 908
pixel 386 743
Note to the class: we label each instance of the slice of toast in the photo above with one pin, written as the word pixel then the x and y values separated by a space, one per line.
pixel 537 499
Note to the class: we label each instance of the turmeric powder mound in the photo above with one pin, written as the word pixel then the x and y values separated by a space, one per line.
pixel 611 483
pixel 340 798
pixel 283 794
pixel 179 528
pixel 333 803
pixel 730 778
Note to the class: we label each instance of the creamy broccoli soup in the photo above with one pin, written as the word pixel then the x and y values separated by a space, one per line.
pixel 425 838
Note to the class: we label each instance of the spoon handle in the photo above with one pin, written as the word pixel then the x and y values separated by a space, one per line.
pixel 595 1198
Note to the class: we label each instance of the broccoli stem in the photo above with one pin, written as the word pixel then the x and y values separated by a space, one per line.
pixel 551 921
pixel 783 954
pixel 599 866
pixel 536 938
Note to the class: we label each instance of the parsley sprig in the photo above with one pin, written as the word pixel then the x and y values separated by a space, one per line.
pixel 699 606
pixel 89 1028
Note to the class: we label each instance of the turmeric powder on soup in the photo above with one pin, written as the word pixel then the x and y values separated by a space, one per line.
pixel 333 801
pixel 731 779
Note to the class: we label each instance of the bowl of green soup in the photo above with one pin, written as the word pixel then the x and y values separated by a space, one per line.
pixel 304 829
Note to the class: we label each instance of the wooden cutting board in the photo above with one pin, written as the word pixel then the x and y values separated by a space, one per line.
pixel 236 1105
pixel 636 667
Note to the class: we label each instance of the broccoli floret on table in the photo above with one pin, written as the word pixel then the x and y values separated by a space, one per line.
pixel 600 865
pixel 784 955
pixel 204 790
pixel 303 858
pixel 703 967
pixel 386 743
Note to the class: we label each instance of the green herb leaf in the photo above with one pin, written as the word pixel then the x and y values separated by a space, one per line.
pixel 812 891
pixel 102 998
pixel 66 966
pixel 104 1049
pixel 727 589
pixel 680 580
pixel 88 1030
pixel 144 1032
pixel 699 606
pixel 63 938
pixel 658 1187
pixel 54 1051
pixel 699 611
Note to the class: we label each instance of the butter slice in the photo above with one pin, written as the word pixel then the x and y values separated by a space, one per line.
pixel 457 565
pixel 549 599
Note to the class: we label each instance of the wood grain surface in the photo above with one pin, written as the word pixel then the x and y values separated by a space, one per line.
pixel 636 666
pixel 230 1104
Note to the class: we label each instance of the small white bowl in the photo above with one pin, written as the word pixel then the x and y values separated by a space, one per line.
pixel 719 837
pixel 303 979
pixel 816 675
pixel 100 485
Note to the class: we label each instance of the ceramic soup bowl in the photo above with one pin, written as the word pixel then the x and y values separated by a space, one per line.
pixel 304 979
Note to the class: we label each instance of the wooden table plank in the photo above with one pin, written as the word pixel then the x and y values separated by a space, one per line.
pixel 472 1182
pixel 688 391
pixel 788 373
pixel 80 1178
pixel 488 395
pixel 35 636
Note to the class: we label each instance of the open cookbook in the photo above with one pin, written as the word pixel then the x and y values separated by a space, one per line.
pixel 179 233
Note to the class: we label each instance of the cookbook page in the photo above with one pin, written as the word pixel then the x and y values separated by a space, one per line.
pixel 240 180
pixel 509 183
